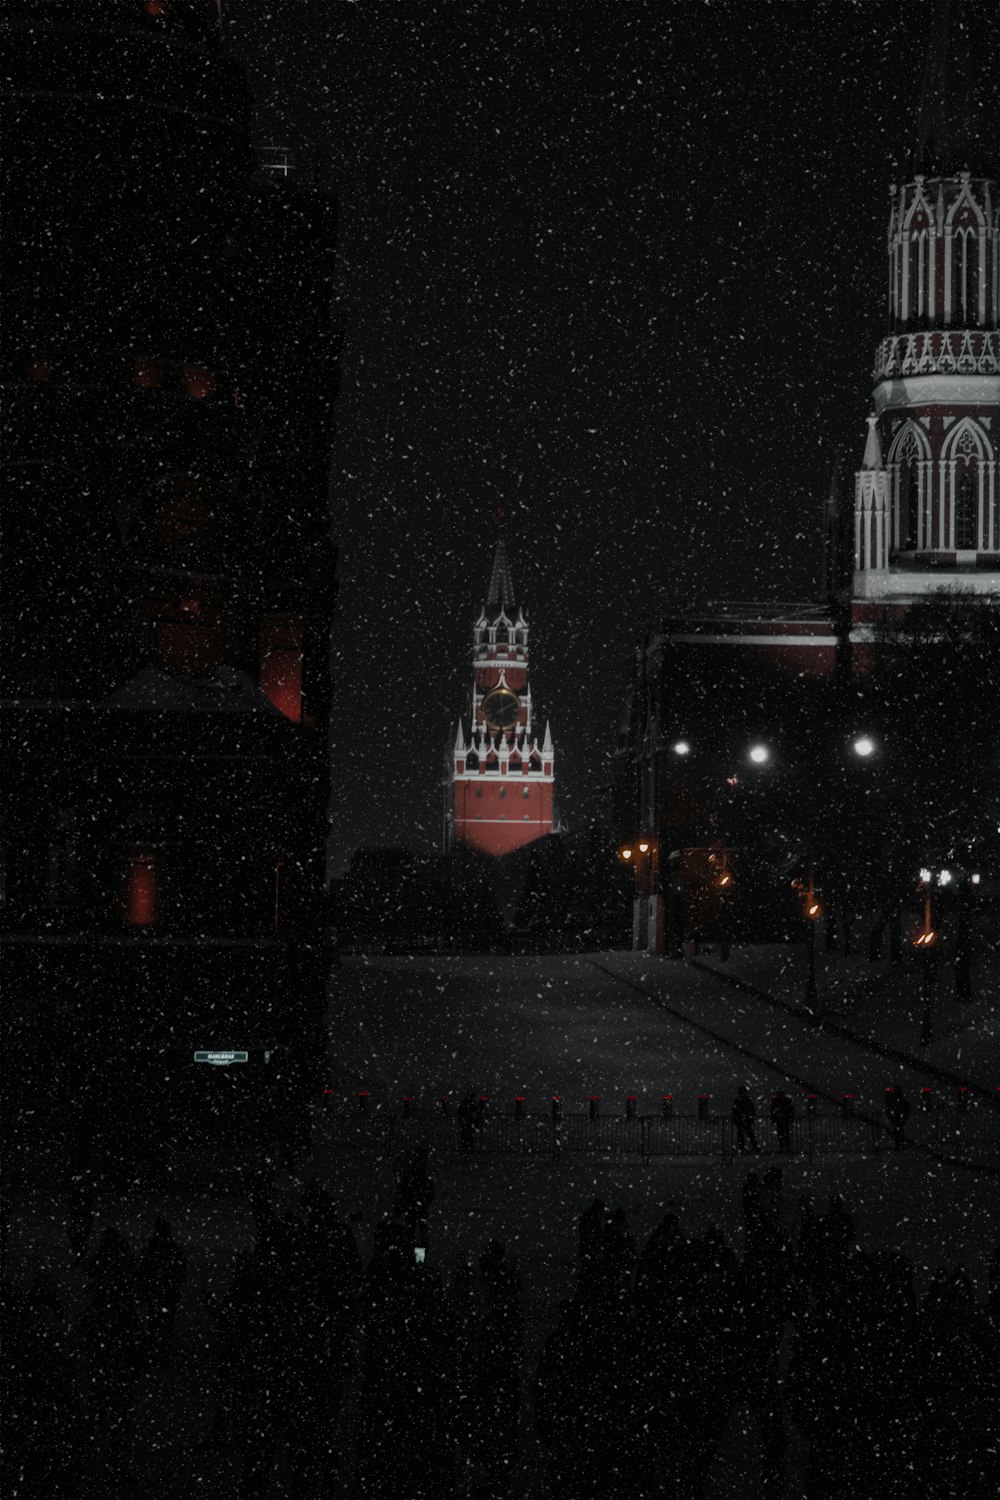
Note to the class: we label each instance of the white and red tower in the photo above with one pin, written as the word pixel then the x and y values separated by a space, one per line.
pixel 501 773
pixel 927 496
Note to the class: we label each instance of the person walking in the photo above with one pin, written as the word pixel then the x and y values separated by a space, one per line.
pixel 467 1121
pixel 162 1272
pixel 744 1112
pixel 414 1193
pixel 591 1231
pixel 782 1115
pixel 897 1108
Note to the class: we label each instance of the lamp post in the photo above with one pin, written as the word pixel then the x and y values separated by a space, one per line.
pixel 647 920
pixel 812 910
pixel 724 884
pixel 925 942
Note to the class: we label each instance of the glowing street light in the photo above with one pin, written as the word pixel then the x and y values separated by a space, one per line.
pixel 925 942
pixel 682 748
pixel 864 745
pixel 644 848
pixel 626 854
pixel 759 754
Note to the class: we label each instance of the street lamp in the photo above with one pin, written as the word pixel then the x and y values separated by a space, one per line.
pixel 759 754
pixel 643 856
pixel 682 748
pixel 812 909
pixel 864 746
pixel 719 860
pixel 925 941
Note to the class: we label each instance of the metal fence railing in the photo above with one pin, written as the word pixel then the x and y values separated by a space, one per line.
pixel 380 1131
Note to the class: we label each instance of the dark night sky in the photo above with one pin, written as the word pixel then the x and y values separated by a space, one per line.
pixel 619 266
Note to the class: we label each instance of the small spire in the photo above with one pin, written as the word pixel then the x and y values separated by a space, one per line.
pixel 547 746
pixel 873 447
pixel 460 740
pixel 501 590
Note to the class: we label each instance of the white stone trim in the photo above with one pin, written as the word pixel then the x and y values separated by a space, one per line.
pixel 755 640
pixel 936 390
pixel 900 585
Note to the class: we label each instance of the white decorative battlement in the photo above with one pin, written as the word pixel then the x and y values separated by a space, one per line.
pixel 941 352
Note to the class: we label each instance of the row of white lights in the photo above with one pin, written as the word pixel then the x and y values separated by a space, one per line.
pixel 945 877
pixel 863 746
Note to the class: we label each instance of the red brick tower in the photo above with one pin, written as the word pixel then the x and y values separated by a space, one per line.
pixel 927 497
pixel 501 775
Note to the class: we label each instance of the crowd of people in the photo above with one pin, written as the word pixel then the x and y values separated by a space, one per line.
pixel 318 1366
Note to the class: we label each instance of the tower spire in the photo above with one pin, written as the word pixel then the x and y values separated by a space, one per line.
pixel 501 590
pixel 957 126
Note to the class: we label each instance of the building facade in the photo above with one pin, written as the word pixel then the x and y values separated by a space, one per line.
pixel 927 495
pixel 501 775
pixel 710 688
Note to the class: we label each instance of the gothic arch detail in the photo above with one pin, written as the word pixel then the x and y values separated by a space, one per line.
pixel 967 489
pixel 910 487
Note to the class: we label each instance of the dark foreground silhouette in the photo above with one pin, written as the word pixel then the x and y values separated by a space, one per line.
pixel 308 1371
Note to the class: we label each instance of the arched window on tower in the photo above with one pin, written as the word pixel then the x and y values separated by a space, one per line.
pixel 967 454
pixel 906 472
pixel 966 508
pixel 965 277
pixel 908 506
pixel 918 277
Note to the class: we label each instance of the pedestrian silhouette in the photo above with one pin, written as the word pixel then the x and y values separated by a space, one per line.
pixel 591 1231
pixel 743 1114
pixel 467 1120
pixel 162 1272
pixel 897 1108
pixel 414 1193
pixel 782 1115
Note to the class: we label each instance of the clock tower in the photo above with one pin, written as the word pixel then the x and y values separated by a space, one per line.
pixel 501 773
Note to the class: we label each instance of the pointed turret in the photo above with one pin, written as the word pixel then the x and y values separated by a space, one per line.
pixel 547 745
pixel 871 515
pixel 460 740
pixel 873 445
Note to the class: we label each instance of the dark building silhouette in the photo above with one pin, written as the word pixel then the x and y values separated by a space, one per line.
pixel 170 369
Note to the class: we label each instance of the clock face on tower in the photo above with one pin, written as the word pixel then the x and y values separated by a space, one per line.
pixel 501 708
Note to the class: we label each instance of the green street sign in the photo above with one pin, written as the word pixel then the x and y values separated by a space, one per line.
pixel 221 1059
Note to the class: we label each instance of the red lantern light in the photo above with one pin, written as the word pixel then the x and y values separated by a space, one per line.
pixel 143 896
pixel 197 383
pixel 39 367
pixel 148 373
